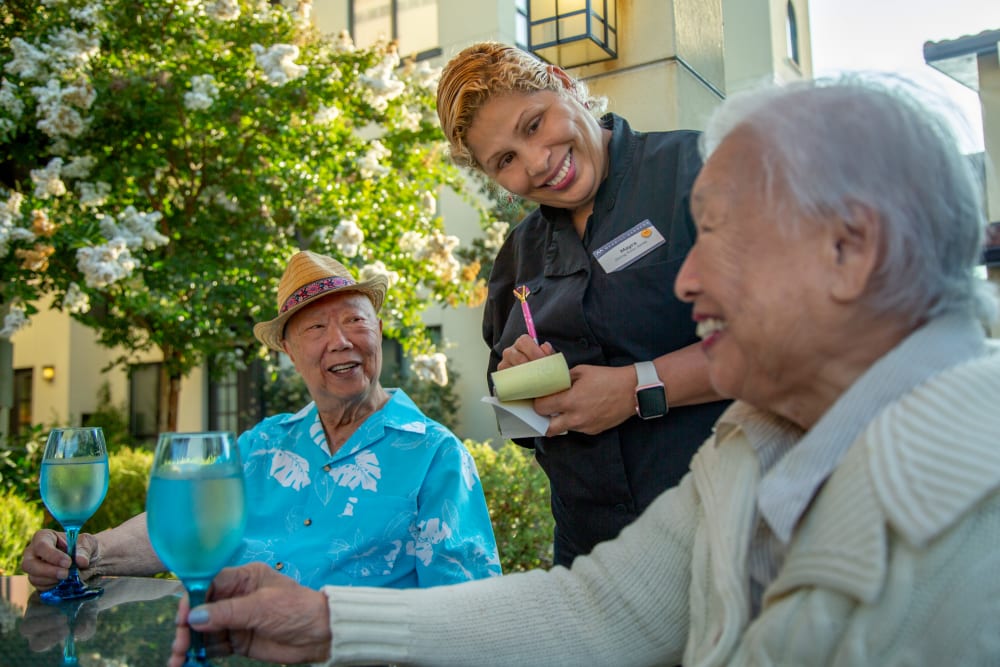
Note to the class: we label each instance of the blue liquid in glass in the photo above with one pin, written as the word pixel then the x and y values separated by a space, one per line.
pixel 196 519
pixel 72 489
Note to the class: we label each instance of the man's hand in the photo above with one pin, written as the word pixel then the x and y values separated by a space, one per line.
pixel 45 625
pixel 600 398
pixel 46 562
pixel 258 613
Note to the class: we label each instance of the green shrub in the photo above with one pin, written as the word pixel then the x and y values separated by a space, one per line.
pixel 517 494
pixel 112 419
pixel 126 488
pixel 21 461
pixel 19 519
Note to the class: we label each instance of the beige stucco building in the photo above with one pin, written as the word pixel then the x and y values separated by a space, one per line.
pixel 673 62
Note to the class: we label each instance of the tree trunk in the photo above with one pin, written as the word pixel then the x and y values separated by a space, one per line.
pixel 170 390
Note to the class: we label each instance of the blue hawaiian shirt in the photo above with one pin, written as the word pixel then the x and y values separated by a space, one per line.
pixel 399 505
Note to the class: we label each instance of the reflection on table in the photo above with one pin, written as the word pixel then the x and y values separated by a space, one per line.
pixel 131 625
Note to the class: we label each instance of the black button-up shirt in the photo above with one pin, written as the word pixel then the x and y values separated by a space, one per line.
pixel 603 482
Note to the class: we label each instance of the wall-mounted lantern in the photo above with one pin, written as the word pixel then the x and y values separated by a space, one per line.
pixel 571 33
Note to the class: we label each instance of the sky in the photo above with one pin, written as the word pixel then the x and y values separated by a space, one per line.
pixel 889 35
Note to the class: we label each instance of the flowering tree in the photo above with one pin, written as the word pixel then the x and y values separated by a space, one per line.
pixel 160 160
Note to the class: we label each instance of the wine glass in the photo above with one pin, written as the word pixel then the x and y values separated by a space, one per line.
pixel 73 483
pixel 196 512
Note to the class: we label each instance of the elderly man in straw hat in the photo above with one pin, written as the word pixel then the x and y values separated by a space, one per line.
pixel 357 488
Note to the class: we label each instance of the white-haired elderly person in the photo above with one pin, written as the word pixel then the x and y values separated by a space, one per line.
pixel 356 488
pixel 846 510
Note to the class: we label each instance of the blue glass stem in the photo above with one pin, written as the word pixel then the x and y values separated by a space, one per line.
pixel 69 647
pixel 196 655
pixel 74 572
pixel 72 587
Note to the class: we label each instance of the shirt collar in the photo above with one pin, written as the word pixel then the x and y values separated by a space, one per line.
pixel 787 489
pixel 399 413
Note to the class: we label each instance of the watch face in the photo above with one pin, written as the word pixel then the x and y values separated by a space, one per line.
pixel 652 402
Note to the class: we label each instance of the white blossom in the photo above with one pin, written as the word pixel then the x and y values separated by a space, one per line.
pixel 429 202
pixel 203 92
pixel 79 167
pixel 226 202
pixel 370 164
pixel 278 63
pixel 431 368
pixel 343 42
pixel 13 321
pixel 412 243
pixel 105 264
pixel 92 195
pixel 28 61
pixel 76 300
pixel 47 181
pixel 426 76
pixel 89 14
pixel 10 213
pixel 438 253
pixel 348 237
pixel 72 49
pixel 326 114
pixel 496 234
pixel 223 10
pixel 303 11
pixel 9 101
pixel 380 82
pixel 11 208
pixel 68 50
pixel 55 107
pixel 410 119
pixel 137 230
pixel 378 268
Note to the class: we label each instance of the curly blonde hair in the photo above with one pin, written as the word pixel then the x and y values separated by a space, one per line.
pixel 488 69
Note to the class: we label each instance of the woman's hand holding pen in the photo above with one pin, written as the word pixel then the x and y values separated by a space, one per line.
pixel 523 350
pixel 600 398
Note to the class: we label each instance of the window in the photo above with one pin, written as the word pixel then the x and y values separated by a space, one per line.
pixel 20 413
pixel 521 24
pixel 792 35
pixel 412 23
pixel 144 402
pixel 234 398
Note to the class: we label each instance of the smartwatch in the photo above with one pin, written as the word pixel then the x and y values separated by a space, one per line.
pixel 650 396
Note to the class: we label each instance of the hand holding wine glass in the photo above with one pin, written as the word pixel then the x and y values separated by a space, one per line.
pixel 74 481
pixel 195 511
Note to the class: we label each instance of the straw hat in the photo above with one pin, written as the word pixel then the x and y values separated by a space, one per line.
pixel 307 278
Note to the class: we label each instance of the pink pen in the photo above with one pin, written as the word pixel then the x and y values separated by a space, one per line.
pixel 522 295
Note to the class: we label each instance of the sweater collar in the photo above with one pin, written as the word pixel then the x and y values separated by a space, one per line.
pixel 921 464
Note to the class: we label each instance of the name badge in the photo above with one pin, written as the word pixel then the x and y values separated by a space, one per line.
pixel 629 246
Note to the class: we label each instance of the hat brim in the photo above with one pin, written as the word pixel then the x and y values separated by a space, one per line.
pixel 271 333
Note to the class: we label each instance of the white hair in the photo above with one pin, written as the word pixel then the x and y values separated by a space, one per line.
pixel 874 142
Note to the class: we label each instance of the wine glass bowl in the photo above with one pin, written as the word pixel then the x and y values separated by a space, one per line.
pixel 196 511
pixel 73 483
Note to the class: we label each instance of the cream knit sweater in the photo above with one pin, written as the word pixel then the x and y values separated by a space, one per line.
pixel 897 562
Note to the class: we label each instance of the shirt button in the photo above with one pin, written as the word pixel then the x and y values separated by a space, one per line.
pixel 620 508
pixel 279 566
pixel 307 522
pixel 327 467
pixel 584 342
